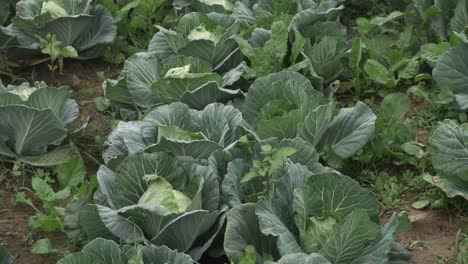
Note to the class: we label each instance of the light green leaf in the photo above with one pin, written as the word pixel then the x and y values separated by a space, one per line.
pixel 43 246
pixel 160 192
pixel 394 106
pixel 379 74
pixel 249 176
pixel 69 52
pixel 72 173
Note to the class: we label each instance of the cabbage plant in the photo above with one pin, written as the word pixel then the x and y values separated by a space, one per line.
pixel 449 150
pixel 79 24
pixel 159 199
pixel 34 124
pixel 267 51
pixel 325 47
pixel 176 129
pixel 297 14
pixel 102 251
pixel 205 6
pixel 286 105
pixel 146 81
pixel 208 37
pixel 328 216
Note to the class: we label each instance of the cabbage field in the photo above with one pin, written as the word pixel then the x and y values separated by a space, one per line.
pixel 234 131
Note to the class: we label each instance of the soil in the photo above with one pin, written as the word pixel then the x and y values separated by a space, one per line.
pixel 437 230
pixel 433 232
pixel 432 236
pixel 18 238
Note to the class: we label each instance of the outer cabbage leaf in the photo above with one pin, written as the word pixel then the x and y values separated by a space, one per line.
pixel 103 251
pixel 384 249
pixel 333 193
pixel 347 238
pixel 243 230
pixel 351 129
pixel 449 152
pixel 34 119
pixel 98 251
pixel 451 71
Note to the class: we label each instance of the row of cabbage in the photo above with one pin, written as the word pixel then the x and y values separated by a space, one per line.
pixel 236 140
pixel 218 49
pixel 229 150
